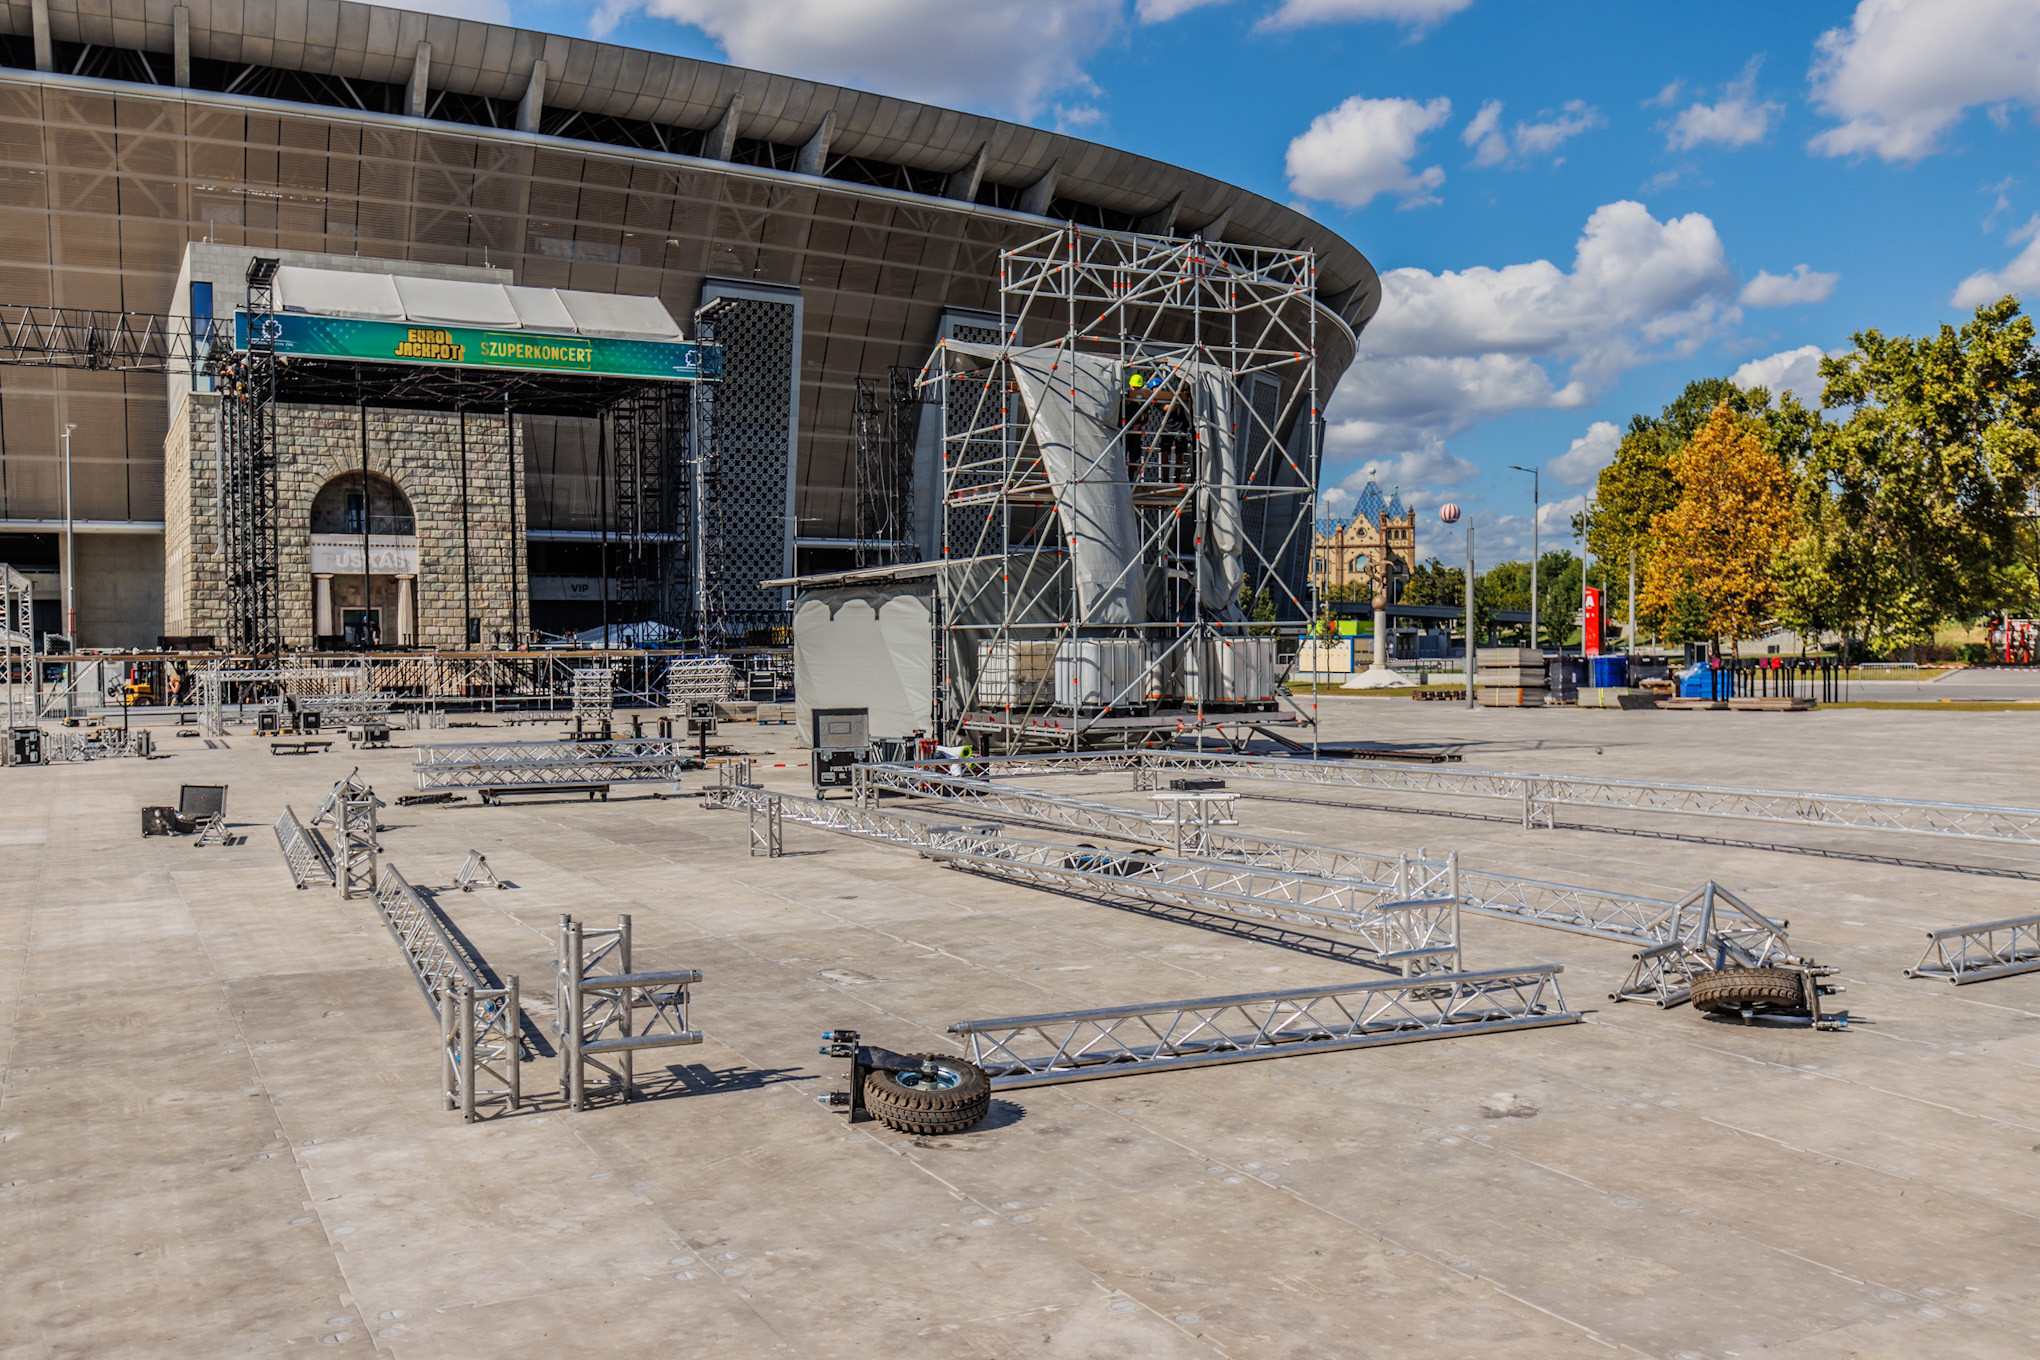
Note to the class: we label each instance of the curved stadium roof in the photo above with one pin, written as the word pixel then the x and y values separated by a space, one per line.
pixel 479 73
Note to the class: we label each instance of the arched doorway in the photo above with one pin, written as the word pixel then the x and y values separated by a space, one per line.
pixel 364 564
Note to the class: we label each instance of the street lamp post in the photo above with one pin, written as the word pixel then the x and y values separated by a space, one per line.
pixel 70 551
pixel 1536 638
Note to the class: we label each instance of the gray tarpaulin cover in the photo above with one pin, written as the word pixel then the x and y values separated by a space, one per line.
pixel 869 647
pixel 1071 400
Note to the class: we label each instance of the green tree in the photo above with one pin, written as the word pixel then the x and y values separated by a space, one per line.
pixel 1912 502
pixel 1733 518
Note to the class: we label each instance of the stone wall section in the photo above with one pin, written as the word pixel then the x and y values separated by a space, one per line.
pixel 418 450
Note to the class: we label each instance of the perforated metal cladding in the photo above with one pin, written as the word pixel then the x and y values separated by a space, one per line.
pixel 970 404
pixel 744 480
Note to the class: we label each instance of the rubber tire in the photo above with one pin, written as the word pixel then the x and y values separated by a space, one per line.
pixel 911 1109
pixel 1734 990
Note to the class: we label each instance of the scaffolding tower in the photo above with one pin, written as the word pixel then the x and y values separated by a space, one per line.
pixel 1128 473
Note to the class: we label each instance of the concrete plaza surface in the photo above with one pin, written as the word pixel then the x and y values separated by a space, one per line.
pixel 222 1133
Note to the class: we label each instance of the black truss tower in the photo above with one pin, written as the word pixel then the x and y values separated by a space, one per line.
pixel 883 423
pixel 653 560
pixel 247 492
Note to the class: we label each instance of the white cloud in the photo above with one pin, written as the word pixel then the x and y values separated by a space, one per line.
pixel 2021 276
pixel 1554 518
pixel 1493 145
pixel 1161 11
pixel 1802 285
pixel 1591 452
pixel 1738 118
pixel 1363 148
pixel 1794 370
pixel 1903 73
pixel 1484 134
pixel 1636 284
pixel 483 11
pixel 1004 55
pixel 1416 15
pixel 1451 350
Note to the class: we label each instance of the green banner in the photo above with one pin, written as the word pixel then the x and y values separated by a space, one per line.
pixel 399 342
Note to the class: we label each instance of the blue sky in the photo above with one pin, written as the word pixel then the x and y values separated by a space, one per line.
pixel 1577 207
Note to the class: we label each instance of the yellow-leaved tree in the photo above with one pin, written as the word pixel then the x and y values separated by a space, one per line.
pixel 1716 545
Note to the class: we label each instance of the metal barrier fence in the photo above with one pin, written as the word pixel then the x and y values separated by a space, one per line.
pixel 1111 1041
pixel 479 764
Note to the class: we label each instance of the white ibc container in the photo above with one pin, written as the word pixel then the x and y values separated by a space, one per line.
pixel 1016 673
pixel 1094 673
pixel 1229 670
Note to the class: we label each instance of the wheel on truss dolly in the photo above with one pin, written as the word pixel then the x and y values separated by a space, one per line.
pixel 1732 991
pixel 948 1095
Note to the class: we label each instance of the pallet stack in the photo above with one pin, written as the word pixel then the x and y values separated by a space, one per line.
pixel 1509 677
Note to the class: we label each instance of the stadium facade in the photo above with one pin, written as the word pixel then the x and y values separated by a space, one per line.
pixel 843 232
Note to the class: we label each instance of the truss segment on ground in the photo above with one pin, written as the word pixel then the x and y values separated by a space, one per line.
pixel 1111 1041
pixel 1603 913
pixel 1989 949
pixel 625 760
pixel 480 1025
pixel 307 856
pixel 1538 794
pixel 605 1014
pixel 1410 934
pixel 1708 929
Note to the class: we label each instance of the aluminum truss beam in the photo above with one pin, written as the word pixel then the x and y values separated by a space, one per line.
pixel 1991 949
pixel 1113 1041
pixel 1539 795
pixel 309 860
pixel 106 342
pixel 481 1039
pixel 1416 934
pixel 603 1019
pixel 624 761
pixel 1606 914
